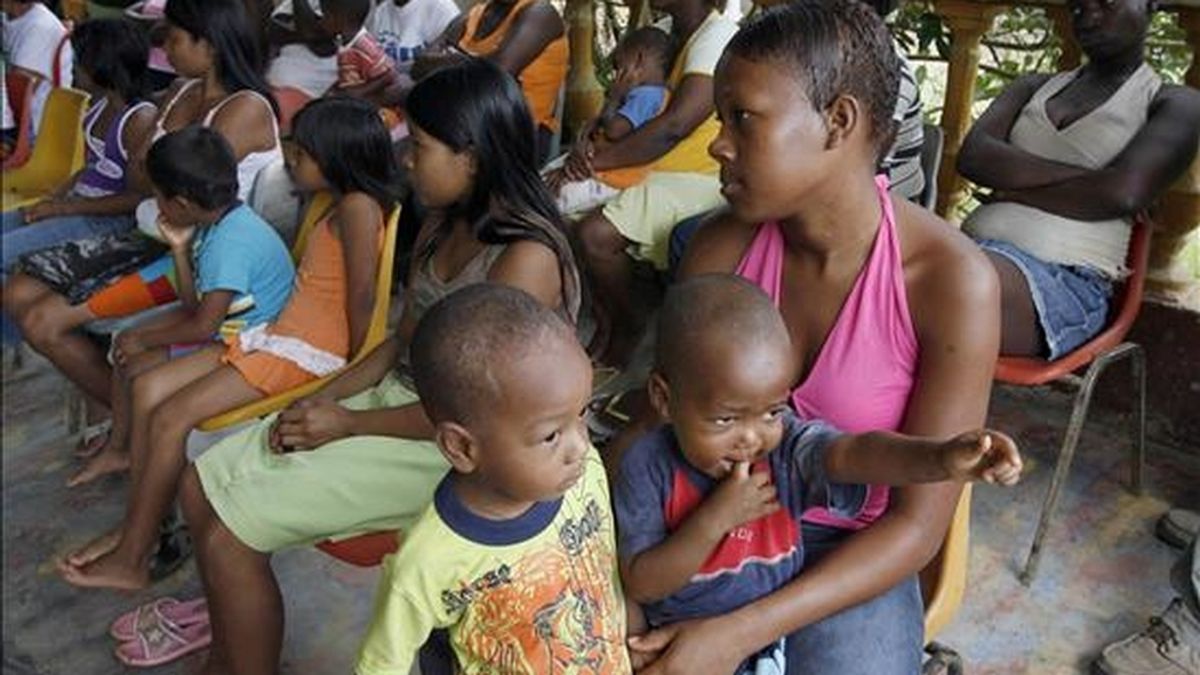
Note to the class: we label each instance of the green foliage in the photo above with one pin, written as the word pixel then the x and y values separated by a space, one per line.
pixel 1022 40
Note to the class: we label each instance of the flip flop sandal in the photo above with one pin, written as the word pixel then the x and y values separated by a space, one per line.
pixel 126 627
pixel 163 642
pixel 92 439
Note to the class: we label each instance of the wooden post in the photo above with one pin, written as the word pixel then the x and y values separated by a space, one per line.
pixel 1178 214
pixel 968 21
pixel 584 95
pixel 1071 55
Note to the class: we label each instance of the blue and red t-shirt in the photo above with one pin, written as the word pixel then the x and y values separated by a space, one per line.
pixel 658 489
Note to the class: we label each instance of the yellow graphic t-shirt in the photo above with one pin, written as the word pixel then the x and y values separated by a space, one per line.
pixel 536 594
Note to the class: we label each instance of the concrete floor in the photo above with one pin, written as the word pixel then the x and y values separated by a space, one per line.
pixel 1103 572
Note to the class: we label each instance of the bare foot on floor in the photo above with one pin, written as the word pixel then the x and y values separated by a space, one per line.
pixel 102 545
pixel 110 460
pixel 108 571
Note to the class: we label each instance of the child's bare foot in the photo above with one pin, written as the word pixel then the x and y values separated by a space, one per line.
pixel 109 460
pixel 102 545
pixel 109 571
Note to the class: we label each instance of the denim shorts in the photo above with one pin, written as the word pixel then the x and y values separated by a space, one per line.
pixel 1072 302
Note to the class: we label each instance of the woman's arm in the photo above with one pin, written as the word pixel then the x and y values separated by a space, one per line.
pixel 988 158
pixel 535 27
pixel 360 221
pixel 689 106
pixel 1160 152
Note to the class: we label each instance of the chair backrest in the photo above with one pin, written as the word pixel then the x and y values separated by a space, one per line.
pixel 58 68
pixel 931 163
pixel 19 89
pixel 58 151
pixel 944 579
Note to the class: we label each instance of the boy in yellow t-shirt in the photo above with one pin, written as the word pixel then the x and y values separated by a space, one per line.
pixel 516 557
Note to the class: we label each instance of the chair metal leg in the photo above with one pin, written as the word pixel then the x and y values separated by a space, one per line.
pixel 1138 460
pixel 1083 399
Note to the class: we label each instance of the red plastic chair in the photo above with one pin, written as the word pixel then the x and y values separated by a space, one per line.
pixel 365 550
pixel 290 101
pixel 1097 354
pixel 20 87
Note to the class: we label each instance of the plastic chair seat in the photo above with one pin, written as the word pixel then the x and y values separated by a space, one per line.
pixel 364 550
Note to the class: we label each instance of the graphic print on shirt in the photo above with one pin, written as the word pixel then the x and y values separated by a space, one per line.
pixel 552 611
pixel 767 540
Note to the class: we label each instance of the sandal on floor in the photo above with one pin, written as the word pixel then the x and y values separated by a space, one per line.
pixel 92 439
pixel 126 627
pixel 163 642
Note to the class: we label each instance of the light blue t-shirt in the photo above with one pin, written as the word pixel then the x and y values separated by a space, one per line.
pixel 642 103
pixel 244 254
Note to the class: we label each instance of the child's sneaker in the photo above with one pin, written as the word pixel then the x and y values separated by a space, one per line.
pixel 1170 645
pixel 1178 527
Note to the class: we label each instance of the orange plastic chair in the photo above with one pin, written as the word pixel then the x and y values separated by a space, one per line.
pixel 943 582
pixel 20 87
pixel 290 101
pixel 1096 354
pixel 57 154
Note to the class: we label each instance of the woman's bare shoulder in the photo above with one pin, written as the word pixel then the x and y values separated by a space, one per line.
pixel 718 245
pixel 943 268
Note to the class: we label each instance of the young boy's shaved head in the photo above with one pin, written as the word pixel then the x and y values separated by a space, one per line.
pixel 708 314
pixel 465 337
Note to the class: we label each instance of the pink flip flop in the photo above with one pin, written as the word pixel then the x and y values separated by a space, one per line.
pixel 168 610
pixel 163 643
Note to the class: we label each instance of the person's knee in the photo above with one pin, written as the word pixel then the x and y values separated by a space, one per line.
pixel 600 238
pixel 41 324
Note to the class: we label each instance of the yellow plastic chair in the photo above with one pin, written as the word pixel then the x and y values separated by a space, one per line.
pixel 943 582
pixel 376 331
pixel 57 153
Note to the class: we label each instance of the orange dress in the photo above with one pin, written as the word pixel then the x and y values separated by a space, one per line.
pixel 541 80
pixel 311 336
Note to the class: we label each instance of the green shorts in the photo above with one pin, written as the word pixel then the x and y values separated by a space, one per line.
pixel 361 484
pixel 646 213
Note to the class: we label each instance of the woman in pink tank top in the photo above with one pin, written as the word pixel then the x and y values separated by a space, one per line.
pixel 893 314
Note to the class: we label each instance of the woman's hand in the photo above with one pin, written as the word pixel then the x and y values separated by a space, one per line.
pixel 310 423
pixel 578 165
pixel 697 647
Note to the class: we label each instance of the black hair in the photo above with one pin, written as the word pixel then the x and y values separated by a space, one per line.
pixel 464 335
pixel 712 309
pixel 353 11
pixel 654 41
pixel 195 163
pixel 836 47
pixel 474 106
pixel 351 145
pixel 226 26
pixel 114 53
pixel 883 7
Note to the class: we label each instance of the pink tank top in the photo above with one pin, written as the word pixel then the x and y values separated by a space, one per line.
pixel 863 375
